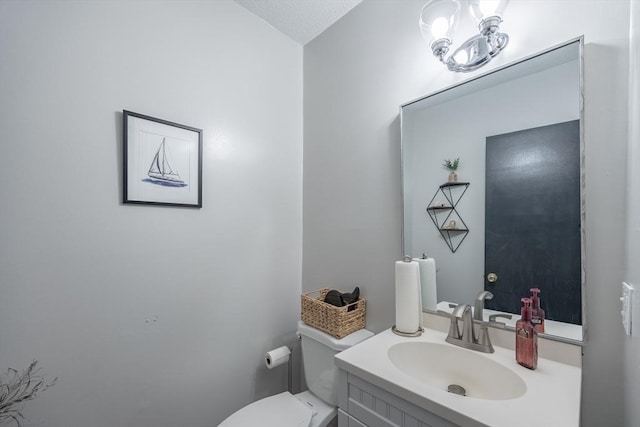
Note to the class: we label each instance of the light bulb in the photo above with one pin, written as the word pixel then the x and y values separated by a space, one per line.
pixel 488 7
pixel 439 19
pixel 483 9
pixel 461 57
pixel 439 28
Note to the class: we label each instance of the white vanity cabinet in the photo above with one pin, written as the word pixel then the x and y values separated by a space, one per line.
pixel 379 389
pixel 363 404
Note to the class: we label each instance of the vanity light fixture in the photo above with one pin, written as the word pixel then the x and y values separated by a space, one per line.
pixel 438 24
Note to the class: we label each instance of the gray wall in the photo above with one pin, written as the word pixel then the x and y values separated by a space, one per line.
pixel 356 75
pixel 632 344
pixel 137 334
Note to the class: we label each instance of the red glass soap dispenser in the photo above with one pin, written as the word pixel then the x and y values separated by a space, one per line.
pixel 537 313
pixel 526 338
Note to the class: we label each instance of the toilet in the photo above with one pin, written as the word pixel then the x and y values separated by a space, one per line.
pixel 315 407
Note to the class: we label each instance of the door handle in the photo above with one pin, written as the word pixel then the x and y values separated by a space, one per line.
pixel 492 277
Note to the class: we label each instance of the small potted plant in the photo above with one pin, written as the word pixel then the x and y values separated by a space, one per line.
pixel 18 388
pixel 452 167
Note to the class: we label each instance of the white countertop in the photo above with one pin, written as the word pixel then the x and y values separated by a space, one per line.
pixel 552 398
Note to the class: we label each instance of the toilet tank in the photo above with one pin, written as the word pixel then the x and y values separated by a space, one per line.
pixel 318 349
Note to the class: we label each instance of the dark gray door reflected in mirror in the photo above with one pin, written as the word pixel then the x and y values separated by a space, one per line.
pixel 532 219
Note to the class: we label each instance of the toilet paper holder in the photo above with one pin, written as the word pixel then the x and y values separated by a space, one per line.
pixel 278 356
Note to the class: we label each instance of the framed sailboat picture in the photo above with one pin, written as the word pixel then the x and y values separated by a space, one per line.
pixel 162 162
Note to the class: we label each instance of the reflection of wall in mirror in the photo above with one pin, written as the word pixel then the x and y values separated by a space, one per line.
pixel 458 128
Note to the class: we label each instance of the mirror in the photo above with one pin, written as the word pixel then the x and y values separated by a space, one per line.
pixel 529 105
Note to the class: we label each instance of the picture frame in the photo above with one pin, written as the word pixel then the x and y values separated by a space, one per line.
pixel 162 162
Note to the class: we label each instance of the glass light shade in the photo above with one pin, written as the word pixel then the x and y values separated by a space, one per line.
pixel 439 20
pixel 482 9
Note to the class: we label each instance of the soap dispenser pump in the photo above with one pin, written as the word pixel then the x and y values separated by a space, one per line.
pixel 537 313
pixel 526 338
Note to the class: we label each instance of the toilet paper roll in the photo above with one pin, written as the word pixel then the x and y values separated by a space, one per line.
pixel 428 283
pixel 408 300
pixel 277 356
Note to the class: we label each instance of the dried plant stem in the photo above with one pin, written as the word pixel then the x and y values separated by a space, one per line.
pixel 18 388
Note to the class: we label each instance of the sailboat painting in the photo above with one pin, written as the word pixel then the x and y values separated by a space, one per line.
pixel 160 172
pixel 162 162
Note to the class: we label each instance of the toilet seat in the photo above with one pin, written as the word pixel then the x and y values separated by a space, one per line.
pixel 281 410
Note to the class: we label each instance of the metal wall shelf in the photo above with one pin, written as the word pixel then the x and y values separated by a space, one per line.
pixel 445 217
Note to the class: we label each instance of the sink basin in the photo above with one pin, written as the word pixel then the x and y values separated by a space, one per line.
pixel 443 365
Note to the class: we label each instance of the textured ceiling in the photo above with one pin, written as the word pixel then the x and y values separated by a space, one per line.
pixel 302 20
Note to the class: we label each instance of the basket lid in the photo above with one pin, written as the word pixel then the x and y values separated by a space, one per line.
pixel 332 342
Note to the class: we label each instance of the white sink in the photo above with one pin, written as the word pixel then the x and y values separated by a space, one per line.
pixel 419 370
pixel 443 365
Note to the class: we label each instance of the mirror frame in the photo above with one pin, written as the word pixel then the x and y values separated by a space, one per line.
pixel 518 68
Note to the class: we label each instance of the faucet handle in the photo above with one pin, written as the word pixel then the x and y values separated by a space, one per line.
pixel 493 317
pixel 483 338
pixel 454 331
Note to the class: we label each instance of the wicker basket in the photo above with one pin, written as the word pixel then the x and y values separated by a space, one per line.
pixel 336 321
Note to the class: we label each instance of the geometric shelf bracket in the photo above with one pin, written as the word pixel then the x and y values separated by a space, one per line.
pixel 446 218
pixel 454 238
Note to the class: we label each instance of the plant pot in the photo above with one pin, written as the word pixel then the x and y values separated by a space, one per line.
pixel 453 177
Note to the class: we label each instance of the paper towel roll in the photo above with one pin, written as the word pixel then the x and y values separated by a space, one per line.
pixel 277 356
pixel 408 300
pixel 428 283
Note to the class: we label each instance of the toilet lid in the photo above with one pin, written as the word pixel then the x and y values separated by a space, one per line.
pixel 281 410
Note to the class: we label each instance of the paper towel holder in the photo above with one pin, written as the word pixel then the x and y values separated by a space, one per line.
pixel 408 334
pixel 408 258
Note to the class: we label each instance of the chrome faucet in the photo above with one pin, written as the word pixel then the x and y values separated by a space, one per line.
pixel 478 306
pixel 463 311
pixel 467 338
